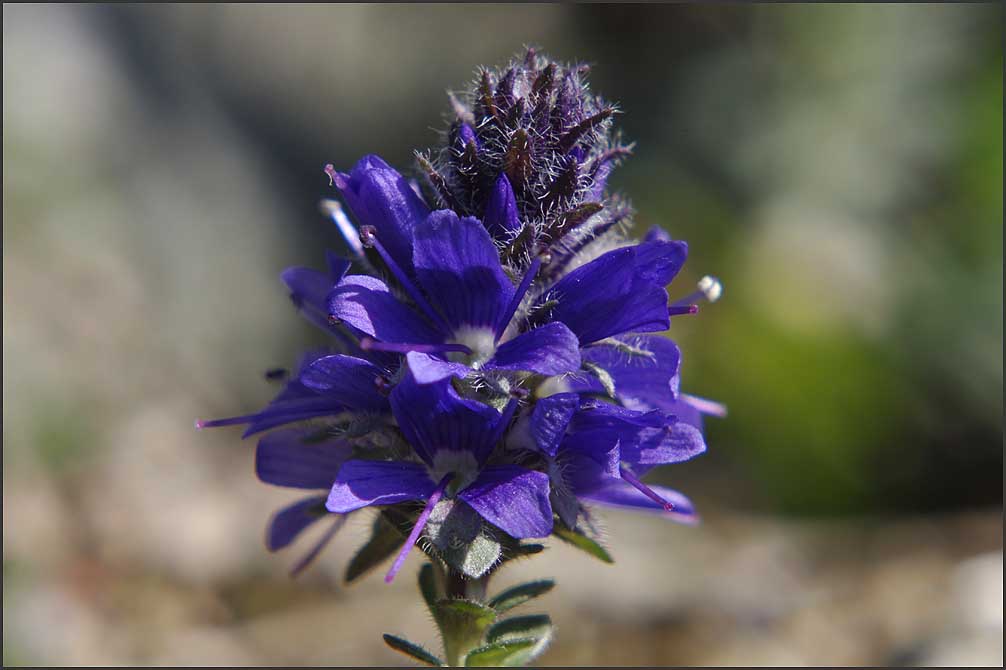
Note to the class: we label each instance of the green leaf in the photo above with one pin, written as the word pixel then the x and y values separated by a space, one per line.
pixel 428 586
pixel 530 627
pixel 462 624
pixel 520 594
pixel 582 542
pixel 384 541
pixel 502 654
pixel 411 649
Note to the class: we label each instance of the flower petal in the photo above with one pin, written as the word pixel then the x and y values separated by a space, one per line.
pixel 501 216
pixel 363 483
pixel 617 493
pixel 287 523
pixel 366 304
pixel 458 266
pixel 621 291
pixel 676 442
pixel 380 197
pixel 512 499
pixel 347 379
pixel 300 458
pixel 309 291
pixel 427 369
pixel 645 372
pixel 550 418
pixel 551 349
pixel 434 417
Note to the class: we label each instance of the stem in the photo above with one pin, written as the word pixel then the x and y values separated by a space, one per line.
pixel 462 634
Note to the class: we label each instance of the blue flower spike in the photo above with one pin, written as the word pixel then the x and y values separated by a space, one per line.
pixel 496 366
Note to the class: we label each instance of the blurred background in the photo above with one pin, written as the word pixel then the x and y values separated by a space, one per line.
pixel 840 168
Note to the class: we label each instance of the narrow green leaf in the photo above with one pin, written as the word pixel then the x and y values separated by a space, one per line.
pixel 502 654
pixel 530 627
pixel 462 624
pixel 384 541
pixel 428 586
pixel 520 594
pixel 467 610
pixel 582 542
pixel 412 650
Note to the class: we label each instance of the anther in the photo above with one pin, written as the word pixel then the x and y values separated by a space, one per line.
pixel 709 289
pixel 368 236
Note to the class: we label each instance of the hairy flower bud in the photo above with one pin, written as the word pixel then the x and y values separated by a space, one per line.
pixel 529 151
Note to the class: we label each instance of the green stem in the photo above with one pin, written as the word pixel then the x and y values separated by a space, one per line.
pixel 461 634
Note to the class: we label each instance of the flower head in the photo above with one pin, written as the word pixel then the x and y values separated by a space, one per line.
pixel 490 351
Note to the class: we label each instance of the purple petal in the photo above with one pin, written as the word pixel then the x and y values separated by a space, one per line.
pixel 363 483
pixel 501 216
pixel 676 442
pixel 598 427
pixel 434 417
pixel 616 493
pixel 308 291
pixel 282 412
pixel 512 499
pixel 551 349
pixel 299 458
pixel 380 197
pixel 621 291
pixel 427 369
pixel 659 262
pixel 550 418
pixel 657 234
pixel 366 304
pixel 458 266
pixel 643 381
pixel 349 380
pixel 287 523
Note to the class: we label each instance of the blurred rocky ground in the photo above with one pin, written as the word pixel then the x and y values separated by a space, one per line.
pixel 840 168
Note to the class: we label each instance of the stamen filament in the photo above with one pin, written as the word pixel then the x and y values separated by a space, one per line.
pixel 333 210
pixel 677 310
pixel 709 289
pixel 368 235
pixel 370 344
pixel 424 516
pixel 518 296
pixel 630 477
pixel 229 421
pixel 308 558
pixel 705 406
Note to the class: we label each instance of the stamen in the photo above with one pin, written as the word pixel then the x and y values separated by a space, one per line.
pixel 370 344
pixel 709 289
pixel 630 477
pixel 424 516
pixel 677 310
pixel 368 236
pixel 518 296
pixel 705 406
pixel 333 210
pixel 230 421
pixel 309 557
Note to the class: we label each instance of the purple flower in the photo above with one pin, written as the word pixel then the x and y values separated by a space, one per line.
pixel 453 439
pixel 596 452
pixel 489 338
